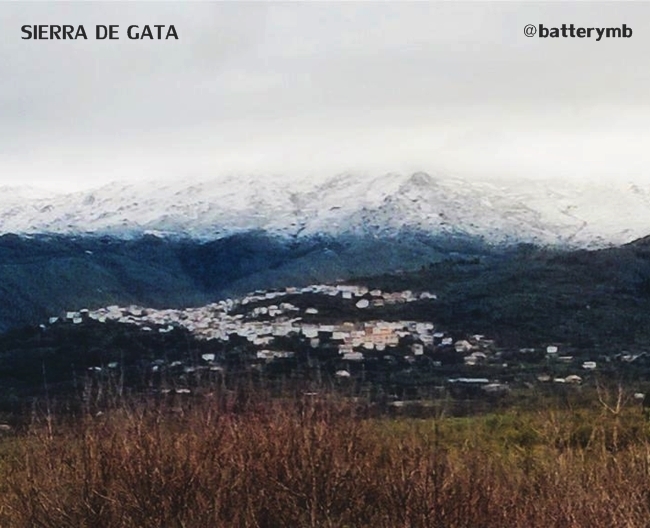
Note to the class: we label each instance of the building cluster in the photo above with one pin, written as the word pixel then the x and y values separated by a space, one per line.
pixel 269 315
pixel 364 296
pixel 262 317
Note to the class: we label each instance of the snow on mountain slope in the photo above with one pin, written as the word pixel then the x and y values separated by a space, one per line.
pixel 539 212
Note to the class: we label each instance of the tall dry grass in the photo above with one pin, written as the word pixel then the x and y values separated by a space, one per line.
pixel 324 462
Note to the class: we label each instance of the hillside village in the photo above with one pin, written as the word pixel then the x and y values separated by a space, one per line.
pixel 345 329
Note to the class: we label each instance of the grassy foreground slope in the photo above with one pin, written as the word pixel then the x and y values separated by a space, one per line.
pixel 234 460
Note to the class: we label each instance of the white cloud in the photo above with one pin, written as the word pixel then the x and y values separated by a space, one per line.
pixel 323 87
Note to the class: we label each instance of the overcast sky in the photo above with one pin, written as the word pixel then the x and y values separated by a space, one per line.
pixel 320 88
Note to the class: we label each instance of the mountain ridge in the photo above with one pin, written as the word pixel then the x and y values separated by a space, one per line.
pixel 543 213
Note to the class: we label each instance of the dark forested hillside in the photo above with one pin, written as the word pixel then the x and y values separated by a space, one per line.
pixel 41 276
pixel 516 294
pixel 586 298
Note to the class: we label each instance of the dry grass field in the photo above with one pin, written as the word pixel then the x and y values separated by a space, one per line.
pixel 323 461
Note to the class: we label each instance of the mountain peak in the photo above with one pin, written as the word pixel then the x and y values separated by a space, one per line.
pixel 421 179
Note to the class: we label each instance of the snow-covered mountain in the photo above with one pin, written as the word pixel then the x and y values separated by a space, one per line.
pixel 539 212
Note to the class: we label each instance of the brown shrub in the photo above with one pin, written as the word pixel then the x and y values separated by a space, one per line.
pixel 319 462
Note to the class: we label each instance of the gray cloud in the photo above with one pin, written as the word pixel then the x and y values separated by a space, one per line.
pixel 317 88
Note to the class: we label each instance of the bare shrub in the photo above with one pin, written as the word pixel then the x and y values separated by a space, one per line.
pixel 320 461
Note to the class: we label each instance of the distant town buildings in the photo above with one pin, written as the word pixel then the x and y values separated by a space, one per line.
pixel 262 317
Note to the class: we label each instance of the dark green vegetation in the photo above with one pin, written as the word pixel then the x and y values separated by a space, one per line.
pixel 42 276
pixel 67 366
pixel 61 363
pixel 586 299
pixel 517 295
pixel 39 364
